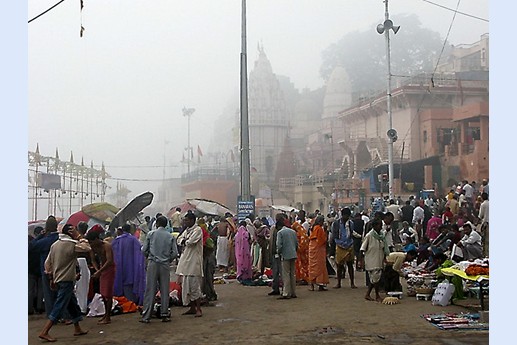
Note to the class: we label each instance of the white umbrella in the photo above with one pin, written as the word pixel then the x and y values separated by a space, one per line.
pixel 209 207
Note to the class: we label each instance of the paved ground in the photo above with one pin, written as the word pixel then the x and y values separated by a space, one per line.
pixel 246 314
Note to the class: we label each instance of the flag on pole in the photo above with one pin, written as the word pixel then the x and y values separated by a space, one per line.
pixel 199 154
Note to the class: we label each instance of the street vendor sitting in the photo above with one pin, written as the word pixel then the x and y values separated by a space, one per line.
pixel 470 243
pixel 393 269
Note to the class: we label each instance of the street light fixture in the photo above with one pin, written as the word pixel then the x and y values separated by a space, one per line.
pixel 384 28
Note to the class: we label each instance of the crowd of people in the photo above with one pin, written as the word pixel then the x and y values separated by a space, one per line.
pixel 67 267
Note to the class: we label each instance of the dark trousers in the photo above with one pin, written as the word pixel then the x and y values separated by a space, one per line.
pixel 276 268
pixel 391 279
pixel 207 287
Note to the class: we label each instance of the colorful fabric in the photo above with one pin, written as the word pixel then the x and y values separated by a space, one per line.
pixel 432 231
pixel 243 254
pixel 382 238
pixel 106 282
pixel 344 255
pixel 302 254
pixel 344 238
pixel 317 256
pixel 130 263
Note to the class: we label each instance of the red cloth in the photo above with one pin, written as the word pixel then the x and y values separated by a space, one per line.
pixel 106 282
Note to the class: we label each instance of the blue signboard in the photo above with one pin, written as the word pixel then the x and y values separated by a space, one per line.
pixel 245 208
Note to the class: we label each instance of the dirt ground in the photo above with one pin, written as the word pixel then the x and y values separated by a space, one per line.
pixel 247 315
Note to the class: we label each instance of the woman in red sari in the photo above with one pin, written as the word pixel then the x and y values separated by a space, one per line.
pixel 318 255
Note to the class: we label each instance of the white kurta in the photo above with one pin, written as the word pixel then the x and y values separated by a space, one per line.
pixel 191 259
pixel 373 252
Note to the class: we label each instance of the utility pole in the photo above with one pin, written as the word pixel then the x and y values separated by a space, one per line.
pixel 392 133
pixel 245 144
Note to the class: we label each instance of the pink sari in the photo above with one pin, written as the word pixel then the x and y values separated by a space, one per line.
pixel 243 254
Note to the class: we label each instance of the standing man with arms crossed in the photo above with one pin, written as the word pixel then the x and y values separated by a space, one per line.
pixel 190 265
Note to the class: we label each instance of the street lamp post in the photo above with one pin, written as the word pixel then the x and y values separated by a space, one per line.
pixel 188 112
pixel 392 133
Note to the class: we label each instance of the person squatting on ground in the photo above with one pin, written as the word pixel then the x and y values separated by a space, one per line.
pixel 61 269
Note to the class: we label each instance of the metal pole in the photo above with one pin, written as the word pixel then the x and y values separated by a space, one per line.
pixel 388 94
pixel 245 149
pixel 188 112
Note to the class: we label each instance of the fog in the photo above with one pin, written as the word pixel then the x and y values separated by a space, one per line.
pixel 116 94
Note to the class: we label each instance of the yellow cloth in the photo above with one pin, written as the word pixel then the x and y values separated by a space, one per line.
pixel 462 274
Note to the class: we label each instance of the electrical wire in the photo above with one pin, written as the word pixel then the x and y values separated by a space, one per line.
pixel 456 11
pixel 39 15
pixel 432 75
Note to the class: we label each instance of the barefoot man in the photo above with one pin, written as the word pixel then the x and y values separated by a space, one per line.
pixel 223 250
pixel 60 267
pixel 106 273
pixel 190 265
pixel 374 250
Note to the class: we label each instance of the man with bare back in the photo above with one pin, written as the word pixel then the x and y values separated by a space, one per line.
pixel 106 272
pixel 223 251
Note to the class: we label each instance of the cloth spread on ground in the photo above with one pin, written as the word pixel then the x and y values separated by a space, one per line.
pixel 467 321
pixel 461 273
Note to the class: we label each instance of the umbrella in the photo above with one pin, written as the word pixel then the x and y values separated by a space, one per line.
pixel 284 208
pixel 100 210
pixel 80 216
pixel 131 210
pixel 184 208
pixel 96 213
pixel 35 223
pixel 209 207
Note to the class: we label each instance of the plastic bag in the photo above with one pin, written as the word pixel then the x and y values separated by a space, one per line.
pixel 443 294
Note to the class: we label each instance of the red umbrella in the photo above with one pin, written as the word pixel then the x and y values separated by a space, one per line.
pixel 80 216
pixel 77 217
pixel 184 208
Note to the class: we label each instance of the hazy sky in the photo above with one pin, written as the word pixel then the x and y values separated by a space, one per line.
pixel 115 94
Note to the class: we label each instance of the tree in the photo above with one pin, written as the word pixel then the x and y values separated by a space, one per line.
pixel 414 50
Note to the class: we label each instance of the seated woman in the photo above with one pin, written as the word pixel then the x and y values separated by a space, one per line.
pixel 423 252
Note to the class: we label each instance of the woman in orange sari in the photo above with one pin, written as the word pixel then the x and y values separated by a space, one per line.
pixel 302 254
pixel 318 255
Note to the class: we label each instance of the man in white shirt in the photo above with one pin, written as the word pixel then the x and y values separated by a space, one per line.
pixel 395 210
pixel 418 219
pixel 190 266
pixel 469 192
pixel 470 243
pixel 483 216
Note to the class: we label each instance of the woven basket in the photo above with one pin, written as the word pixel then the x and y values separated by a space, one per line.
pixel 426 291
